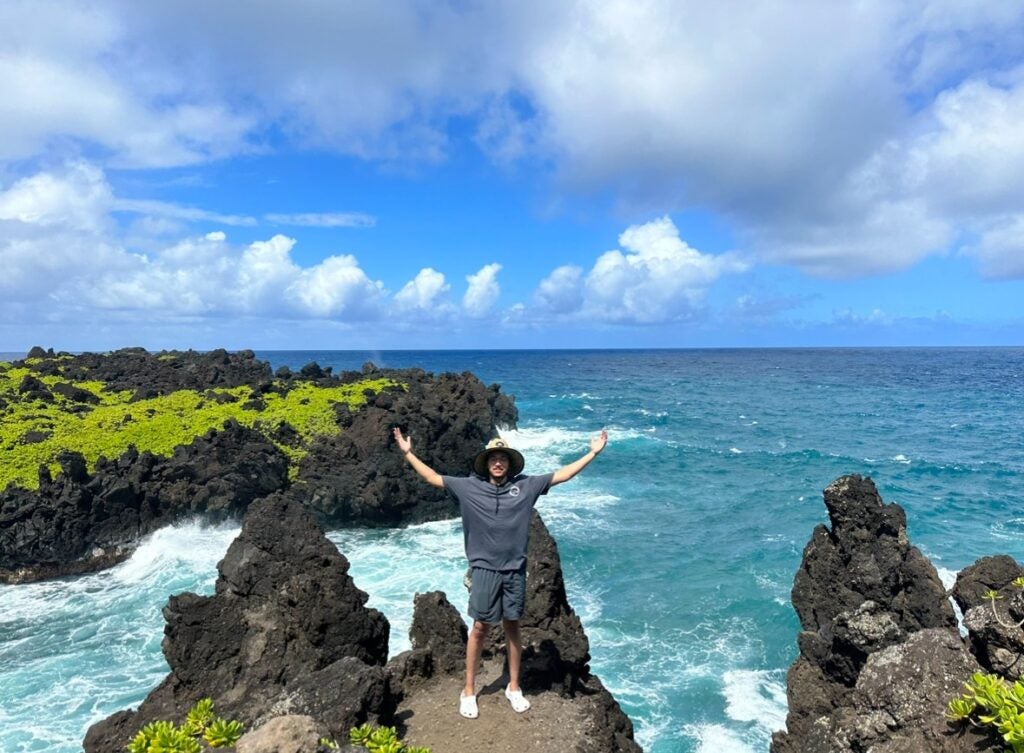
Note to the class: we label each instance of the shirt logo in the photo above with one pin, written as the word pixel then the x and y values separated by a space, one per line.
pixel 514 491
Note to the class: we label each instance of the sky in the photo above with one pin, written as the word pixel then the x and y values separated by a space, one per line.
pixel 434 175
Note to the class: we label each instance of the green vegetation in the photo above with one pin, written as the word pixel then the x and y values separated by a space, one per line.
pixel 34 432
pixel 377 740
pixel 164 737
pixel 993 597
pixel 991 701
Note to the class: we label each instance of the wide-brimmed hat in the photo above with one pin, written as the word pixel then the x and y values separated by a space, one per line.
pixel 498 444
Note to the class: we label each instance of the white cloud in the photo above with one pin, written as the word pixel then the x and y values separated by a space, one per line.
pixel 170 210
pixel 60 247
pixel 845 139
pixel 78 198
pixel 323 219
pixel 337 287
pixel 424 293
pixel 483 291
pixel 659 278
pixel 561 291
pixel 1000 248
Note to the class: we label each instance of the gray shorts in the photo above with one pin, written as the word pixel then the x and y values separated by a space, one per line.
pixel 497 595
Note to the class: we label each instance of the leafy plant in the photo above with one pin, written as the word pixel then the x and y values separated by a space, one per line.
pixel 326 742
pixel 223 733
pixel 199 717
pixel 163 737
pixel 360 735
pixel 991 701
pixel 381 740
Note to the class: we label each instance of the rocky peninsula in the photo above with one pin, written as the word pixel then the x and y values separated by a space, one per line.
pixel 101 450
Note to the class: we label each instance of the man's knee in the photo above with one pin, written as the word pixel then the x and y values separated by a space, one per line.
pixel 480 629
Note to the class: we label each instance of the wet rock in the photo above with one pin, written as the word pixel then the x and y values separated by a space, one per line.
pixel 356 478
pixel 287 632
pixel 81 521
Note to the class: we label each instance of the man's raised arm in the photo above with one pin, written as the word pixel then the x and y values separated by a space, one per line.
pixel 427 473
pixel 565 473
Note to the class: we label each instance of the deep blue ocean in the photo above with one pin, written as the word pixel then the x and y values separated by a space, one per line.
pixel 679 543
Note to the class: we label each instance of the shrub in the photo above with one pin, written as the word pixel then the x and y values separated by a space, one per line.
pixel 991 701
pixel 165 737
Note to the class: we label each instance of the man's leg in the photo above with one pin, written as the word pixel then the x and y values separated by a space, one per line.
pixel 514 645
pixel 474 650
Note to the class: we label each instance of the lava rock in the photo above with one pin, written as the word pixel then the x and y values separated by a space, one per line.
pixel 286 632
pixel 80 522
pixel 862 590
pixel 987 574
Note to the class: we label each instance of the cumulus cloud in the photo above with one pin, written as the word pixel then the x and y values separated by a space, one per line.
pixel 483 291
pixel 656 277
pixel 59 245
pixel 845 139
pixel 1000 248
pixel 424 293
pixel 561 291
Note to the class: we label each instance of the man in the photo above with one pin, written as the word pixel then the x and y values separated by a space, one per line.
pixel 496 503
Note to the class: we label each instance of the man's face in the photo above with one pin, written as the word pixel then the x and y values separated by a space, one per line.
pixel 497 464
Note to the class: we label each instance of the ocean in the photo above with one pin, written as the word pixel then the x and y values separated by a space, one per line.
pixel 679 543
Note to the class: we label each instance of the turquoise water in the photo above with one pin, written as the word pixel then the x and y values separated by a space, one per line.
pixel 679 543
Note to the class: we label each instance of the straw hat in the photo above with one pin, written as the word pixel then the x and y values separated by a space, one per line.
pixel 498 444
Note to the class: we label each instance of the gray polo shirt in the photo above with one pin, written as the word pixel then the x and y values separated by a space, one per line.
pixel 496 519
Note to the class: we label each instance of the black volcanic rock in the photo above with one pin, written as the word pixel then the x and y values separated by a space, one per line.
pixel 152 374
pixel 861 592
pixel 556 652
pixel 79 522
pixel 987 574
pixel 359 477
pixel 899 702
pixel 87 519
pixel 287 632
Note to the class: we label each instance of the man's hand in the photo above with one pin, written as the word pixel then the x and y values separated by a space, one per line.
pixel 427 473
pixel 404 443
pixel 566 472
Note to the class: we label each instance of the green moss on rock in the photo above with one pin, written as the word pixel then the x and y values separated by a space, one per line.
pixel 34 432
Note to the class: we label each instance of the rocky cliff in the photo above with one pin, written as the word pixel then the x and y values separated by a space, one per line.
pixel 103 449
pixel 287 646
pixel 881 654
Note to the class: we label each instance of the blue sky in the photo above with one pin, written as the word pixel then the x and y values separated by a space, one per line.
pixel 489 175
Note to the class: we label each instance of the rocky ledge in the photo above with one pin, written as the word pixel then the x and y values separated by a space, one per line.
pixel 104 449
pixel 287 646
pixel 881 654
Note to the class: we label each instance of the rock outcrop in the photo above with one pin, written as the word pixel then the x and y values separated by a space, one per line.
pixel 994 628
pixel 83 521
pixel 286 633
pixel 880 652
pixel 287 646
pixel 358 478
pixel 89 518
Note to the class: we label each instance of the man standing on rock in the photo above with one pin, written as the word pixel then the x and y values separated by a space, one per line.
pixel 496 502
